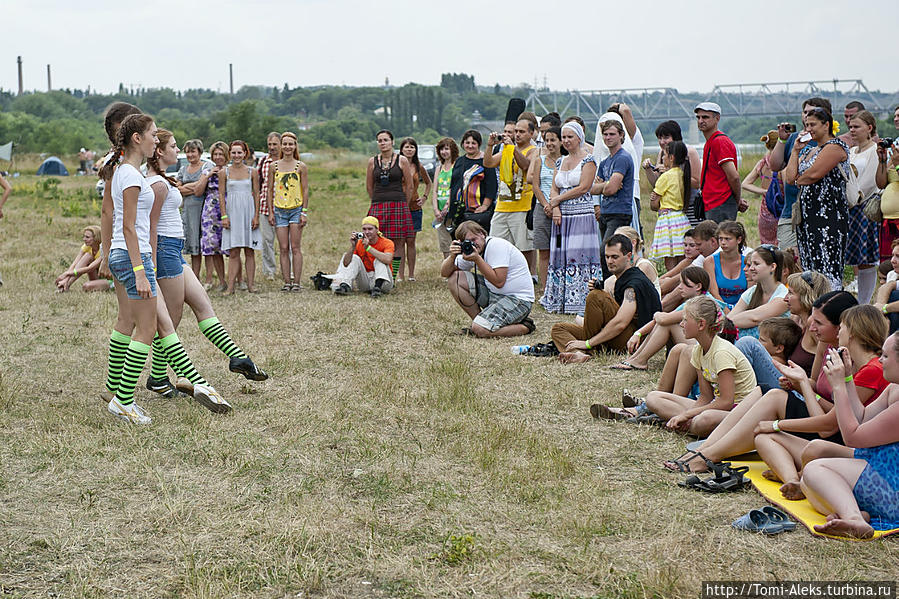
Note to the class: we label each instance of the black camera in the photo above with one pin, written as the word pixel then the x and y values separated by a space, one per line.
pixel 886 142
pixel 357 235
pixel 384 177
pixel 597 284
pixel 467 247
pixel 790 128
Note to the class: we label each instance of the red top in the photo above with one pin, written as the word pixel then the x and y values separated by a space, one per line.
pixel 382 245
pixel 869 376
pixel 715 189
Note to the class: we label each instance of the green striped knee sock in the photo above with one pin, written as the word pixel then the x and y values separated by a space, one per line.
pixel 179 360
pixel 158 362
pixel 395 267
pixel 135 358
pixel 118 347
pixel 216 333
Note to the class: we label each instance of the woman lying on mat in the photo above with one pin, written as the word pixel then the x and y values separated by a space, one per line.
pixel 736 433
pixel 855 491
pixel 780 443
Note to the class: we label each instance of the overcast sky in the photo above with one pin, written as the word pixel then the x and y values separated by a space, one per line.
pixel 576 45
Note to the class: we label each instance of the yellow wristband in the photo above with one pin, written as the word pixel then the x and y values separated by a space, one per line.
pixel 775 426
pixel 587 343
pixel 638 334
pixel 848 379
pixel 138 268
pixel 368 249
pixel 75 271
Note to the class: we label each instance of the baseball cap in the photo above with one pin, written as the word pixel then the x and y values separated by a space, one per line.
pixel 708 107
pixel 371 220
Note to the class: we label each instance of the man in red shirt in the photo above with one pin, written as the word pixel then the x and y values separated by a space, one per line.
pixel 720 181
pixel 367 262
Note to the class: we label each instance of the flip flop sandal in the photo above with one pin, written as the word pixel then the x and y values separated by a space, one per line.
pixel 758 521
pixel 780 517
pixel 286 287
pixel 625 365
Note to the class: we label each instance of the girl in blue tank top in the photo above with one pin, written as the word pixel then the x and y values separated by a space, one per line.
pixel 731 236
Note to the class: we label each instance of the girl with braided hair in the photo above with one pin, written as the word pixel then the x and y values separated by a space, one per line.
pixel 128 200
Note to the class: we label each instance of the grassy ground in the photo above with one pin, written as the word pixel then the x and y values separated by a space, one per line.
pixel 386 457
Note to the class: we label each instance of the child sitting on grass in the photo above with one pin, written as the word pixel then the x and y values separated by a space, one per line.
pixel 87 262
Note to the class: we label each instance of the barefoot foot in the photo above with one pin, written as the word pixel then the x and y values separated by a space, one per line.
pixel 792 491
pixel 771 475
pixel 854 528
pixel 574 357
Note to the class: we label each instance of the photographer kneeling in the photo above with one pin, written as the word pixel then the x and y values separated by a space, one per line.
pixel 367 262
pixel 499 294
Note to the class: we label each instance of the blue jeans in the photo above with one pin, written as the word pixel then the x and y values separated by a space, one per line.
pixel 766 374
pixel 120 266
pixel 169 258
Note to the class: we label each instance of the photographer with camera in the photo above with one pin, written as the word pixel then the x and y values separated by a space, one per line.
pixel 610 321
pixel 887 178
pixel 489 278
pixel 367 262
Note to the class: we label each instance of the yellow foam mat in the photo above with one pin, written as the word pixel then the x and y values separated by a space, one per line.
pixel 800 510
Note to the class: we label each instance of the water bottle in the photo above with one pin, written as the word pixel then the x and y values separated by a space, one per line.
pixel 520 349
pixel 437 223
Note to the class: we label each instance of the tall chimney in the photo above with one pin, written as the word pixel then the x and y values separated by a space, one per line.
pixel 231 76
pixel 19 60
pixel 49 84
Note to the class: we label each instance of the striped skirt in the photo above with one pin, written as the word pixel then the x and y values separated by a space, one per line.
pixel 668 238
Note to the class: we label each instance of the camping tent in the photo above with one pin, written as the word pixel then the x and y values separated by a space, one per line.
pixel 53 166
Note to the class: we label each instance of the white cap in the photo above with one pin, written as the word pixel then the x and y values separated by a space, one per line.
pixel 82 150
pixel 708 107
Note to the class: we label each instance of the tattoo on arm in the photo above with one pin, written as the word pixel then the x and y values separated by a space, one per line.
pixel 629 295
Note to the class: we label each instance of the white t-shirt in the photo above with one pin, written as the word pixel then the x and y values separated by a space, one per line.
pixel 127 176
pixel 700 259
pixel 780 291
pixel 169 224
pixel 502 254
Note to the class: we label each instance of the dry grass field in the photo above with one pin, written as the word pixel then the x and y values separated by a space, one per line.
pixel 387 456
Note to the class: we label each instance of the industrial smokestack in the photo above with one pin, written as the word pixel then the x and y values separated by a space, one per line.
pixel 19 60
pixel 231 76
pixel 49 83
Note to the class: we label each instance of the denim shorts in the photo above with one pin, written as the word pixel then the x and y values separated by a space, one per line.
pixel 120 266
pixel 416 220
pixel 168 256
pixel 287 216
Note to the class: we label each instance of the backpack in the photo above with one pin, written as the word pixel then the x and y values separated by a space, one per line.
pixel 774 196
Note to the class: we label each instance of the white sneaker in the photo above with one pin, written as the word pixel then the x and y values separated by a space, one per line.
pixel 210 399
pixel 130 413
pixel 853 287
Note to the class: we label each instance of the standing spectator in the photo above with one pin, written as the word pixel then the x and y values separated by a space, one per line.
pixel 862 251
pixel 540 175
pixel 513 200
pixel 472 187
pixel 288 186
pixel 388 181
pixel 719 181
pixel 887 178
pixel 614 183
pixel 409 149
pixel 192 210
pixel 821 173
pixel 767 221
pixel 211 221
pixel 4 184
pixel 82 161
pixel 666 133
pixel 852 108
pixel 778 159
pixel 240 219
pixel 574 257
pixel 670 196
pixel 265 204
pixel 547 122
pixel 447 154
pixel 632 143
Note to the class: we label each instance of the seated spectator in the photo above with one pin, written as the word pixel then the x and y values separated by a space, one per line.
pixel 725 376
pixel 366 263
pixel 765 298
pixel 665 327
pixel 887 297
pixel 735 434
pixel 490 280
pixel 728 282
pixel 670 280
pixel 844 489
pixel 648 268
pixel 802 291
pixel 862 333
pixel 610 319
pixel 86 262
pixel 705 240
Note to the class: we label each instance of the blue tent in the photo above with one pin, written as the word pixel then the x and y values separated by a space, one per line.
pixel 53 166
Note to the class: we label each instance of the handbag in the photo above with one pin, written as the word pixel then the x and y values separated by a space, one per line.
pixel 774 196
pixel 872 209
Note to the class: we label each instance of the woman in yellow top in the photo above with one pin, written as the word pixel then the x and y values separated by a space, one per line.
pixel 669 196
pixel 288 186
pixel 887 179
pixel 87 262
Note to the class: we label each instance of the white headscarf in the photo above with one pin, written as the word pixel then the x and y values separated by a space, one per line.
pixel 578 130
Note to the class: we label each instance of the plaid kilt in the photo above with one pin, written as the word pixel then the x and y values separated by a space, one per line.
pixel 394 218
pixel 862 245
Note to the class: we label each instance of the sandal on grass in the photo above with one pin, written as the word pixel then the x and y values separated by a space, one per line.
pixel 286 287
pixel 682 462
pixel 625 365
pixel 724 479
pixel 599 410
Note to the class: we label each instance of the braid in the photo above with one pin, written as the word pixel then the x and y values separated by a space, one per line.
pixel 164 136
pixel 134 123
